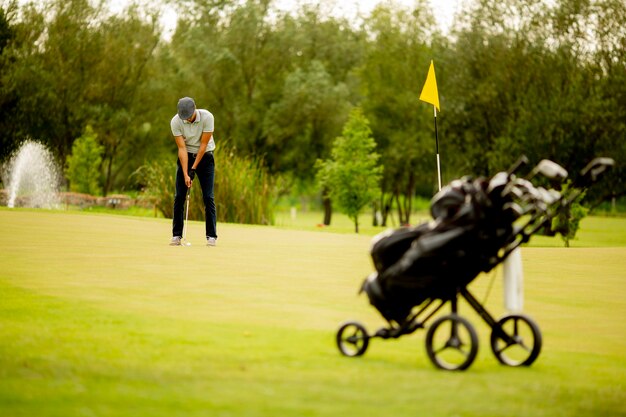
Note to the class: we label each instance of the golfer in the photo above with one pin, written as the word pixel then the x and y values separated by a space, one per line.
pixel 193 132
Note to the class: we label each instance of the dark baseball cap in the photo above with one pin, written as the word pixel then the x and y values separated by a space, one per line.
pixel 186 107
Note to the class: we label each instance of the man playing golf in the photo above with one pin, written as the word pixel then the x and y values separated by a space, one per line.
pixel 193 132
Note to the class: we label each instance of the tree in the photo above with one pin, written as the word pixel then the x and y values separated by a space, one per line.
pixel 53 52
pixel 352 175
pixel 545 81
pixel 116 92
pixel 83 165
pixel 541 78
pixel 8 96
pixel 391 85
pixel 300 126
pixel 75 66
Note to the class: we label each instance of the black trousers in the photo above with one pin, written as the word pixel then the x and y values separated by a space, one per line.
pixel 205 172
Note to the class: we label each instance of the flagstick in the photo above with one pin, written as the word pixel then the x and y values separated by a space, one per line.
pixel 437 145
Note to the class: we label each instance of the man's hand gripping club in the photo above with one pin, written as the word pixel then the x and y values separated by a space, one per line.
pixel 189 178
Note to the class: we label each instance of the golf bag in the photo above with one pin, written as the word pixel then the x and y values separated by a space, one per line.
pixel 474 228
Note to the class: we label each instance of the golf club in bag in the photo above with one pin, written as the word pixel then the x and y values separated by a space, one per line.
pixel 477 223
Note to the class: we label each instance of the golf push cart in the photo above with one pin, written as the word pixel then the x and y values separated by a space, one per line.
pixel 477 224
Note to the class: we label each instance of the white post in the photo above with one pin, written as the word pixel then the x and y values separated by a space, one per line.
pixel 513 284
pixel 439 172
pixel 437 148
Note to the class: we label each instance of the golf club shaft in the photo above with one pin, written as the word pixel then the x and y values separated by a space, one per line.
pixel 186 215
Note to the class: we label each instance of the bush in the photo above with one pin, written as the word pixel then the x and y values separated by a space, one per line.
pixel 159 178
pixel 244 191
pixel 83 165
pixel 567 221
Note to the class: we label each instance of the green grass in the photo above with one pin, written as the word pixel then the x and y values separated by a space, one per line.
pixel 99 317
pixel 136 211
pixel 311 220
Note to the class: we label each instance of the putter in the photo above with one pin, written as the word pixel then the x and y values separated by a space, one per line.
pixel 185 242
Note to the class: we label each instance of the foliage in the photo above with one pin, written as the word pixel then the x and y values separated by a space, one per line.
pixel 6 32
pixel 158 179
pixel 567 221
pixel 244 192
pixel 352 174
pixel 515 93
pixel 400 124
pixel 545 79
pixel 83 164
pixel 310 111
pixel 9 131
pixel 74 68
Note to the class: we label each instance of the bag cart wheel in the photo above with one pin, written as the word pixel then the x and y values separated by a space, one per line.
pixel 451 343
pixel 352 339
pixel 516 340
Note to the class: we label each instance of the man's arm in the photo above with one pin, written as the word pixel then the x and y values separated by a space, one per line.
pixel 182 156
pixel 204 141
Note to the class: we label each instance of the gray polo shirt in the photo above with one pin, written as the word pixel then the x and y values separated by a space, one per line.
pixel 192 132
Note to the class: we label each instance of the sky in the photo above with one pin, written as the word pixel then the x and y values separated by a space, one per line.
pixel 443 9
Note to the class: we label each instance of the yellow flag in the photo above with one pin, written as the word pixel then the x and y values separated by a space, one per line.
pixel 429 91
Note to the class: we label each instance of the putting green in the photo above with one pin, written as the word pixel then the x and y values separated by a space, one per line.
pixel 99 316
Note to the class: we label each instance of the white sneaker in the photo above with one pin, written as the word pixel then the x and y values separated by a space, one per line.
pixel 176 241
pixel 211 241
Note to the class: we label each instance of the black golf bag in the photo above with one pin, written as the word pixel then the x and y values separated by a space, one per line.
pixel 473 230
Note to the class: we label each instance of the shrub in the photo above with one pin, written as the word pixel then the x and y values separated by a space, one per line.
pixel 159 178
pixel 567 221
pixel 83 165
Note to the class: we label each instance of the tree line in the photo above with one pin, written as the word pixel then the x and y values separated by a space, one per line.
pixel 544 79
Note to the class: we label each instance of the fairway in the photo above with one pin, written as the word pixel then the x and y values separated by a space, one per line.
pixel 100 317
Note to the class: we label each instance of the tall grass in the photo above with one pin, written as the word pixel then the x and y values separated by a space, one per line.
pixel 244 192
pixel 159 178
